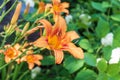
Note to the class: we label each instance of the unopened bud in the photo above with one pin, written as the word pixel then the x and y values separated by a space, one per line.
pixel 18 32
pixel 25 28
pixel 26 11
pixel 16 13
pixel 33 30
pixel 41 8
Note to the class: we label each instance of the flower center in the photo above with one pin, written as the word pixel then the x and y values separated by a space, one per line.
pixel 10 53
pixel 30 58
pixel 56 8
pixel 54 42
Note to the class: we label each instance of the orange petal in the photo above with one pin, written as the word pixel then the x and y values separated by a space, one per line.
pixel 41 42
pixel 73 35
pixel 47 25
pixel 23 59
pixel 60 26
pixel 66 39
pixel 16 13
pixel 39 57
pixel 7 59
pixel 48 6
pixel 65 11
pixel 18 61
pixel 75 51
pixel 17 46
pixel 65 5
pixel 1 51
pixel 58 56
pixel 38 63
pixel 30 65
pixel 33 30
pixel 56 1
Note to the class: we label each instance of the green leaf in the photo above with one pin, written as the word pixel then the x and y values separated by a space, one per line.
pixel 116 77
pixel 72 64
pixel 90 59
pixel 2 62
pixel 102 28
pixel 84 43
pixel 98 6
pixel 116 17
pixel 107 52
pixel 82 25
pixel 106 4
pixel 102 76
pixel 49 60
pixel 116 40
pixel 115 3
pixel 72 26
pixel 102 65
pixel 113 69
pixel 86 75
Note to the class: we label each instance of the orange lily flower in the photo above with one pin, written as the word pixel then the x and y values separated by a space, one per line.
pixel 32 59
pixel 57 8
pixel 11 53
pixel 57 39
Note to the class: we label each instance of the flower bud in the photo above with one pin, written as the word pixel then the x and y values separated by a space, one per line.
pixel 41 8
pixel 25 28
pixel 26 11
pixel 16 13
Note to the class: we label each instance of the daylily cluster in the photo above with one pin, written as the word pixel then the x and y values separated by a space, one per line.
pixel 54 37
pixel 19 53
pixel 57 39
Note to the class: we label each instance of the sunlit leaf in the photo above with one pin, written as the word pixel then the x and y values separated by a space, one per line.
pixel 116 17
pixel 72 64
pixel 90 59
pixel 102 28
pixel 86 75
pixel 102 65
pixel 102 76
pixel 98 6
pixel 85 44
pixel 113 69
pixel 116 40
pixel 49 60
pixel 107 52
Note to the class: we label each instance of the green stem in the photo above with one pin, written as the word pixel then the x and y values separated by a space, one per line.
pixel 98 50
pixel 11 61
pixel 15 40
pixel 16 71
pixel 9 71
pixel 7 64
pixel 41 18
pixel 3 42
pixel 3 15
pixel 3 75
pixel 26 72
pixel 3 4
